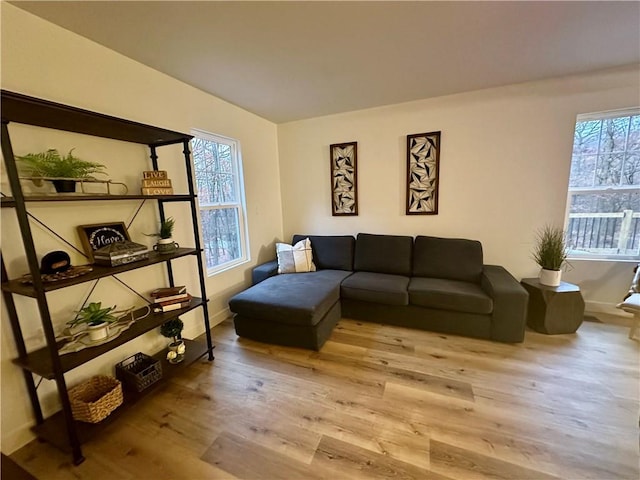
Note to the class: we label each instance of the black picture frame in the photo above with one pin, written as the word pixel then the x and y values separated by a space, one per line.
pixel 423 173
pixel 344 178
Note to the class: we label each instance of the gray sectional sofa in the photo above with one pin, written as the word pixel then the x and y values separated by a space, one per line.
pixel 429 283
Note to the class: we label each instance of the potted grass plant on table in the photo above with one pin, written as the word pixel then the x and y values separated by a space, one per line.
pixel 550 254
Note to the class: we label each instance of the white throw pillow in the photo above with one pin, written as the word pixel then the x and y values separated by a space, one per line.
pixel 295 259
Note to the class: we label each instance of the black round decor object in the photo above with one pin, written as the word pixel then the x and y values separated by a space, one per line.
pixel 55 262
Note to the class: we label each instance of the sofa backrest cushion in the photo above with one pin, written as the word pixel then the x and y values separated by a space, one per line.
pixel 448 258
pixel 383 254
pixel 334 252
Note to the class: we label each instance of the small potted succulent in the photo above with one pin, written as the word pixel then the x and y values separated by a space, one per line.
pixel 165 242
pixel 96 319
pixel 60 170
pixel 172 329
pixel 550 254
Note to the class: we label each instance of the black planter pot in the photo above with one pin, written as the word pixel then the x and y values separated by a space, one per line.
pixel 64 186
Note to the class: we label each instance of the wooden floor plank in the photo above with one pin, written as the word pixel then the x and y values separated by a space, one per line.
pixel 347 460
pixel 245 459
pixel 471 465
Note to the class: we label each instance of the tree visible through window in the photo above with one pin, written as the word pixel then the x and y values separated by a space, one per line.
pixel 604 188
pixel 219 182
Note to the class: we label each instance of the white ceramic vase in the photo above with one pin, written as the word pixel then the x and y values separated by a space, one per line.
pixel 550 278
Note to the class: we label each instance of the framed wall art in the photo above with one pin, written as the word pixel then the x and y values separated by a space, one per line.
pixel 99 235
pixel 344 178
pixel 423 164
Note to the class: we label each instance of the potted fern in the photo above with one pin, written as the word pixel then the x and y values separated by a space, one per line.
pixel 550 254
pixel 62 171
pixel 165 241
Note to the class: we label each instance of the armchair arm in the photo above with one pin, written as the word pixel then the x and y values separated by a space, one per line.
pixel 509 304
pixel 264 271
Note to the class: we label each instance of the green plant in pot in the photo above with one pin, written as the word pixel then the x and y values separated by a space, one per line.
pixel 172 329
pixel 97 320
pixel 61 170
pixel 550 254
pixel 165 241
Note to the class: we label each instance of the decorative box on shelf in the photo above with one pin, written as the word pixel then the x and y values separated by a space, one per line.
pixel 120 253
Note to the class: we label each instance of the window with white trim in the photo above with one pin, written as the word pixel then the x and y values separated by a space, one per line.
pixel 603 209
pixel 220 186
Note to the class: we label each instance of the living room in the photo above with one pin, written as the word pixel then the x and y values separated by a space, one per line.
pixel 505 163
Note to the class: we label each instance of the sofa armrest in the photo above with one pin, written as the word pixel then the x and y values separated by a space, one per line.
pixel 264 271
pixel 509 304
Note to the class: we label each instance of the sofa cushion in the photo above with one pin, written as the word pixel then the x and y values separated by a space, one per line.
pixel 376 288
pixel 301 299
pixel 449 258
pixel 383 254
pixel 333 252
pixel 296 258
pixel 449 295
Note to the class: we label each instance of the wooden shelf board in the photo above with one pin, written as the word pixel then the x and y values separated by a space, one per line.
pixel 39 361
pixel 81 197
pixel 20 108
pixel 99 271
pixel 53 429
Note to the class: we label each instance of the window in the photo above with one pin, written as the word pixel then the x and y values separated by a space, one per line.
pixel 219 182
pixel 603 218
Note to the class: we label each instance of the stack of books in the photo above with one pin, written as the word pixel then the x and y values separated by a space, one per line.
pixel 170 298
pixel 156 182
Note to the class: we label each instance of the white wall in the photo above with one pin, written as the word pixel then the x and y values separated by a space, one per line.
pixel 44 60
pixel 504 169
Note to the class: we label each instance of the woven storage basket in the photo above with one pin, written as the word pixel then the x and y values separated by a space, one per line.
pixel 92 401
pixel 139 371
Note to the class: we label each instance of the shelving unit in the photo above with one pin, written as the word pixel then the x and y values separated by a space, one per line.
pixel 61 429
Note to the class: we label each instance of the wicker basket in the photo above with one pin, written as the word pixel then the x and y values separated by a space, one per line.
pixel 139 371
pixel 92 401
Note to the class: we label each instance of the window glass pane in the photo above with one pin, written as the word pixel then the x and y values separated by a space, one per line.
pixel 587 137
pixel 583 169
pixel 609 169
pixel 614 134
pixel 604 203
pixel 633 142
pixel 220 230
pixel 631 170
pixel 214 170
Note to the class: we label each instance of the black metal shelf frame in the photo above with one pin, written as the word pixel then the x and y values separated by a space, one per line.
pixel 27 110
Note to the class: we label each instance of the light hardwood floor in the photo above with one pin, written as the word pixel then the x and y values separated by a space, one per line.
pixel 381 402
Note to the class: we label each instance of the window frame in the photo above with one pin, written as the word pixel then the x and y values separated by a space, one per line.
pixel 577 255
pixel 239 205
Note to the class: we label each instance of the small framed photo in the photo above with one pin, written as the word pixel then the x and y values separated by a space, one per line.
pixel 99 235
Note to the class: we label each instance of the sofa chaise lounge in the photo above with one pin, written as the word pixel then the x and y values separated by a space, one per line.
pixel 429 283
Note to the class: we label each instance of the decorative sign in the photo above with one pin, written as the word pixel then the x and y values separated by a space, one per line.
pixel 100 235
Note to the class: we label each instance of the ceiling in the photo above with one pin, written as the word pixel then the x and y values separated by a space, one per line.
pixel 292 60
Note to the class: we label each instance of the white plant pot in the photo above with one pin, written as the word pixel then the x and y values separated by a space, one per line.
pixel 98 332
pixel 550 278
